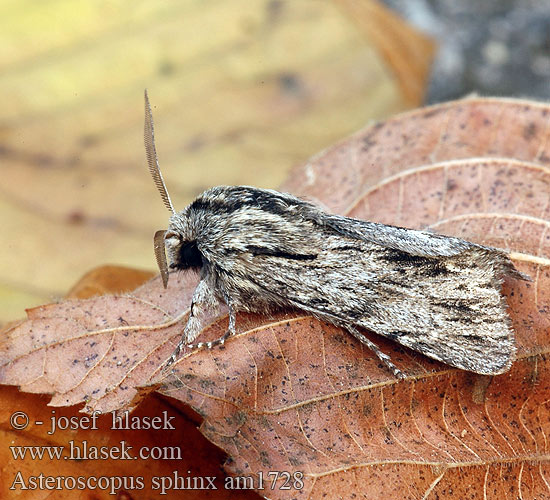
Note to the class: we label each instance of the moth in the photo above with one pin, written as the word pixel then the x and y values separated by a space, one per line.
pixel 260 250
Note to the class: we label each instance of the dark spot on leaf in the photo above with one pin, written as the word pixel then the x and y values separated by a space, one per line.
pixel 529 131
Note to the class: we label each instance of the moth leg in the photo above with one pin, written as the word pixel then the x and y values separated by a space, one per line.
pixel 203 297
pixel 373 347
pixel 230 330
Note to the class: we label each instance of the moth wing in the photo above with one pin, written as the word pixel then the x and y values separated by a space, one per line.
pixel 449 308
pixel 416 242
pixel 412 241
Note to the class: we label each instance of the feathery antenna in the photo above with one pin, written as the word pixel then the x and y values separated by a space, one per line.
pixel 160 255
pixel 151 152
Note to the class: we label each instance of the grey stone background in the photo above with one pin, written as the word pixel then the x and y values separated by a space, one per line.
pixel 491 47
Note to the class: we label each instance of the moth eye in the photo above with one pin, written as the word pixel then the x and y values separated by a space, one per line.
pixel 172 239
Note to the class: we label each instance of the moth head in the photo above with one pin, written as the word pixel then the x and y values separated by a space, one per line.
pixel 181 245
pixel 173 250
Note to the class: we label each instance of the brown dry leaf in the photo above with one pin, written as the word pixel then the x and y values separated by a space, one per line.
pixel 193 457
pixel 291 394
pixel 197 457
pixel 108 279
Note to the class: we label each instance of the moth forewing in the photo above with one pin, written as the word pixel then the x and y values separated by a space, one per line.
pixel 448 307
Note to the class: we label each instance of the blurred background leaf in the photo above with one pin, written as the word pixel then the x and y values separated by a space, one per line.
pixel 240 92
